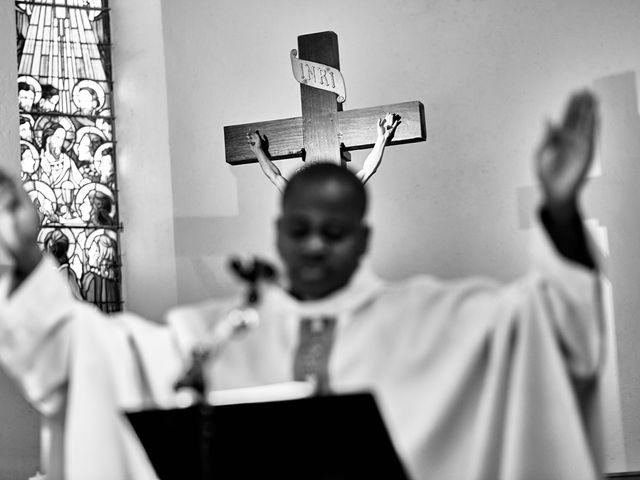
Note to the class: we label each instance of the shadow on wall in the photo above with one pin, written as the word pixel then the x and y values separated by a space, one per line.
pixel 204 244
pixel 612 198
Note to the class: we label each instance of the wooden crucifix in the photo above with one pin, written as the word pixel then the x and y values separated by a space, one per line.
pixel 324 131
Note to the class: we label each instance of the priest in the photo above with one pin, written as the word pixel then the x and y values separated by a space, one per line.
pixel 475 380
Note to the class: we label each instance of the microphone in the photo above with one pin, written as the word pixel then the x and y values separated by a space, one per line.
pixel 252 271
pixel 190 388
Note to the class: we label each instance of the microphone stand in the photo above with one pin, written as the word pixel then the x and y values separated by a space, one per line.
pixel 191 387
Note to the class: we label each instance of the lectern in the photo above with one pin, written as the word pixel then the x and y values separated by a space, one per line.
pixel 336 437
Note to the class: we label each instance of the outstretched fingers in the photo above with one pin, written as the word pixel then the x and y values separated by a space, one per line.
pixel 581 116
pixel 256 139
pixel 396 122
pixel 388 124
pixel 566 151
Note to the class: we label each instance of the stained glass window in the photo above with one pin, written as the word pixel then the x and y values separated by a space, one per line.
pixel 67 139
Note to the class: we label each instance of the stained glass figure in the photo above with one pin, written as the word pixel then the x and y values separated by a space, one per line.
pixel 67 140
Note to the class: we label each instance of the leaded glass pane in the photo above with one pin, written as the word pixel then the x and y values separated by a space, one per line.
pixel 67 139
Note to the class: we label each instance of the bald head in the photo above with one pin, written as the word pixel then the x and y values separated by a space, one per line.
pixel 341 184
pixel 321 232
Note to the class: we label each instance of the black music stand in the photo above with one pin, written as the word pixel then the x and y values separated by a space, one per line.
pixel 317 438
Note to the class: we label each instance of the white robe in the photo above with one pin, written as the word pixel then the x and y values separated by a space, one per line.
pixel 475 380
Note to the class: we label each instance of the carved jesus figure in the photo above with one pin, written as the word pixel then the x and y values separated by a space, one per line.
pixel 385 127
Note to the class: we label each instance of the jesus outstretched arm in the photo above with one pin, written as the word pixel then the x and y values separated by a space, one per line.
pixel 257 145
pixel 386 126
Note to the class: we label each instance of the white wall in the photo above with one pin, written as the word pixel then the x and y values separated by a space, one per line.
pixel 489 73
pixel 143 161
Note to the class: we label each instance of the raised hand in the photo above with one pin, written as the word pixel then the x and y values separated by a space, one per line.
pixel 258 145
pixel 566 154
pixel 256 141
pixel 387 125
pixel 19 224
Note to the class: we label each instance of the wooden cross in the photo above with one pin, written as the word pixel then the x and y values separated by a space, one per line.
pixel 323 132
